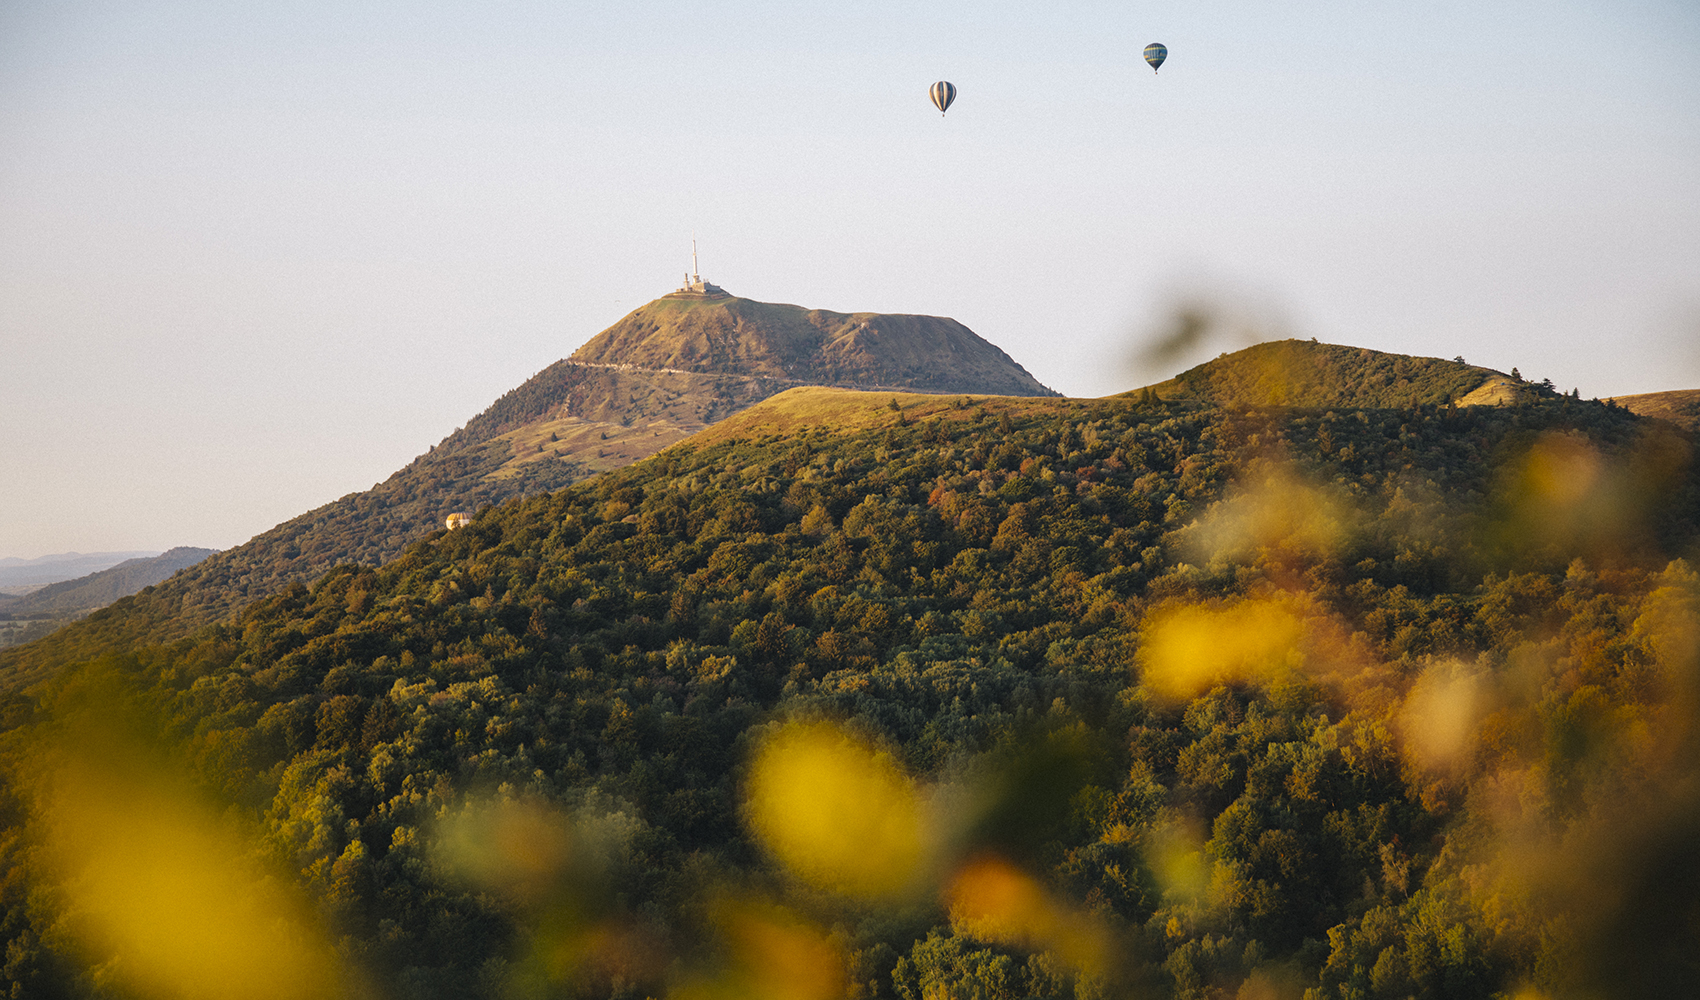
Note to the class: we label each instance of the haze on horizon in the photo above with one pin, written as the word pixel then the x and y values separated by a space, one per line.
pixel 254 259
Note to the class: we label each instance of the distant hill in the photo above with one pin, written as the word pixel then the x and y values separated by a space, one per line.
pixel 662 373
pixel 1679 406
pixel 97 590
pixel 38 612
pixel 15 572
pixel 1307 373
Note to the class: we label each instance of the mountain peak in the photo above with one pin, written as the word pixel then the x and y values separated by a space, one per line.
pixel 720 334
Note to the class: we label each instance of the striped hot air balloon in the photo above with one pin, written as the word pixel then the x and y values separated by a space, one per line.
pixel 1155 53
pixel 943 93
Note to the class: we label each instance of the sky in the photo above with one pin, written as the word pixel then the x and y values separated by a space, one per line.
pixel 256 258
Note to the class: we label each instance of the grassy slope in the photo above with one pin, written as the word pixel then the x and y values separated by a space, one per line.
pixel 848 411
pixel 1679 406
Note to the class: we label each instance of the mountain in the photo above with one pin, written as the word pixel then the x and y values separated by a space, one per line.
pixel 1306 373
pixel 96 590
pixel 1679 406
pixel 657 376
pixel 685 361
pixel 898 696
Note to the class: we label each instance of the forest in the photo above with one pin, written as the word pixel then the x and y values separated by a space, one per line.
pixel 961 699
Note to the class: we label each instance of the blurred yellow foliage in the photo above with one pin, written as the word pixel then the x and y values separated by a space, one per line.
pixel 1441 716
pixel 836 812
pixel 773 955
pixel 1565 492
pixel 992 900
pixel 1669 624
pixel 995 901
pixel 520 850
pixel 1176 856
pixel 1186 650
pixel 156 884
pixel 553 870
pixel 786 959
pixel 1560 471
pixel 1272 983
pixel 1277 511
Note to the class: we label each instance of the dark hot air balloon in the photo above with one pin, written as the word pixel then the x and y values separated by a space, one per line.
pixel 1155 53
pixel 942 93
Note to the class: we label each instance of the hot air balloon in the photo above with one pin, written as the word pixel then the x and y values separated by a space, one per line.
pixel 942 93
pixel 1155 53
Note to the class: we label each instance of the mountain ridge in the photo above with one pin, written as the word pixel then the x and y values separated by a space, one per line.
pixel 580 417
pixel 102 587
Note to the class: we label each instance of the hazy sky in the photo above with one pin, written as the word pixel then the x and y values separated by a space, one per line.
pixel 253 258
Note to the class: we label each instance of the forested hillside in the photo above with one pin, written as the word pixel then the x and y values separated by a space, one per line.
pixel 898 696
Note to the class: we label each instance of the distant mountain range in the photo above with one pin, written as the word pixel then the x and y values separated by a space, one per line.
pixel 39 611
pixel 43 570
pixel 96 590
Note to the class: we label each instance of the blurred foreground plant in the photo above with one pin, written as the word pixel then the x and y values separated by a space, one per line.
pixel 164 895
